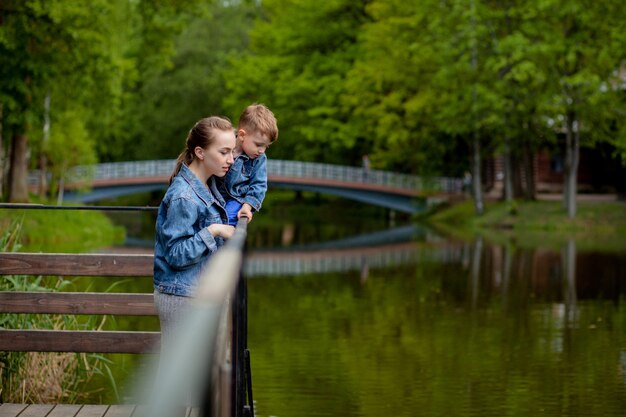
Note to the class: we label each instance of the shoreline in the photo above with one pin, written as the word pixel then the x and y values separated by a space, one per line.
pixel 600 223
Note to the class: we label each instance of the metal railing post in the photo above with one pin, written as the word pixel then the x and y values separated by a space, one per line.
pixel 242 382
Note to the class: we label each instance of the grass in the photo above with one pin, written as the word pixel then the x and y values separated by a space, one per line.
pixel 597 226
pixel 61 230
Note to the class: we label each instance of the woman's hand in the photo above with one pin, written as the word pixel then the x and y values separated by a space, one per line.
pixel 221 230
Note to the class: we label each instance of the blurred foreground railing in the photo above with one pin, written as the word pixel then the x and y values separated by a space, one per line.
pixel 208 364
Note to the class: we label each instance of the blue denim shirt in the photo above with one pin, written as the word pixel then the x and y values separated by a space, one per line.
pixel 183 243
pixel 246 181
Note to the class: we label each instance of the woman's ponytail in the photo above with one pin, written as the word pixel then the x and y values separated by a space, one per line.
pixel 183 157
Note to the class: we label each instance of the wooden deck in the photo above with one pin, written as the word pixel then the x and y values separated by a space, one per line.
pixel 67 410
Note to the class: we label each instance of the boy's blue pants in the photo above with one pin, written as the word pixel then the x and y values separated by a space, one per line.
pixel 232 208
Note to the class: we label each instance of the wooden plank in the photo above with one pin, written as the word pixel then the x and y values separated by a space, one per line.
pixel 11 410
pixel 93 411
pixel 78 341
pixel 76 264
pixel 120 410
pixel 65 410
pixel 37 410
pixel 142 411
pixel 77 303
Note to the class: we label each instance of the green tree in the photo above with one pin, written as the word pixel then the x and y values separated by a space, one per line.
pixel 517 63
pixel 69 145
pixel 587 44
pixel 175 97
pixel 427 85
pixel 432 75
pixel 299 56
pixel 391 106
pixel 86 58
pixel 145 42
pixel 42 44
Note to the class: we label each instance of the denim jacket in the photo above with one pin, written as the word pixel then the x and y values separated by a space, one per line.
pixel 183 244
pixel 246 181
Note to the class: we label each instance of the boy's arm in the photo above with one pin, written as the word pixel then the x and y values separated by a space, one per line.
pixel 246 210
pixel 258 185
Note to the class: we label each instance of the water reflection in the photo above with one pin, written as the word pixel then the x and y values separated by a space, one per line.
pixel 569 282
pixel 494 330
pixel 382 249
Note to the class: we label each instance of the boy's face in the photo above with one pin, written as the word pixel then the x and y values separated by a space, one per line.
pixel 254 144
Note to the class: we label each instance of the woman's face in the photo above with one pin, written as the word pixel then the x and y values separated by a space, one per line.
pixel 218 156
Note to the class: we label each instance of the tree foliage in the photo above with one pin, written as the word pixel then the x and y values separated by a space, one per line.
pixel 297 63
pixel 170 99
pixel 52 48
pixel 425 87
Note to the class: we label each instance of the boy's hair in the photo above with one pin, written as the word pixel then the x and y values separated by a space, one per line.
pixel 257 117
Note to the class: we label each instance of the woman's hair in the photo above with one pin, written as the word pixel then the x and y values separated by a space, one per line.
pixel 202 134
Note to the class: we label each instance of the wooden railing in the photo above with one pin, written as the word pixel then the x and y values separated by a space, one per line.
pixel 101 265
pixel 210 350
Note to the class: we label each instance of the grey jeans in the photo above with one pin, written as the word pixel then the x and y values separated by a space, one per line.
pixel 172 310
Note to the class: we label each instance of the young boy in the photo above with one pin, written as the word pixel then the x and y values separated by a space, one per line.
pixel 245 184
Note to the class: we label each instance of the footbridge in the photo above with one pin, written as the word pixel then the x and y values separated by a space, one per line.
pixel 401 192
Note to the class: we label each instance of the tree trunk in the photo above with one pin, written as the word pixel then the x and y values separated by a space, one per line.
pixel 574 177
pixel 18 174
pixel 508 171
pixel 477 183
pixel 566 166
pixel 516 177
pixel 61 191
pixel 43 157
pixel 2 163
pixel 476 177
pixel 529 169
pixel 572 155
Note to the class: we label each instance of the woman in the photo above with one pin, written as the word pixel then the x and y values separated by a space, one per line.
pixel 191 222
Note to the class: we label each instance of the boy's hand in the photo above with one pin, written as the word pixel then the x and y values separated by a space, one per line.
pixel 246 211
pixel 221 230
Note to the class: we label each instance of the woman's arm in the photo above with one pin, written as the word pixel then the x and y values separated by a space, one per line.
pixel 183 245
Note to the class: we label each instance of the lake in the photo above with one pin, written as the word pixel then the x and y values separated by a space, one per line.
pixel 437 327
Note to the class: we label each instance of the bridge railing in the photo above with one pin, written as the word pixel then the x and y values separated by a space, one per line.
pixel 276 167
pixel 316 170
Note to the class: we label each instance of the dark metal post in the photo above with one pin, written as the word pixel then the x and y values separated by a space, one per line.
pixel 249 409
pixel 242 405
